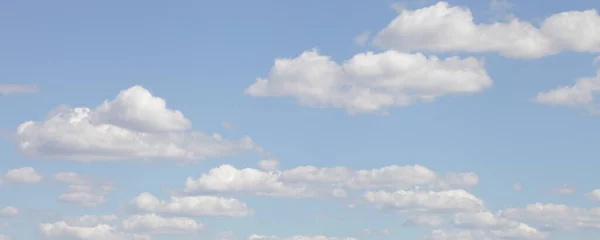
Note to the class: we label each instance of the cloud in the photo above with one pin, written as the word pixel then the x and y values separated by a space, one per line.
pixel 9 212
pixel 158 225
pixel 556 217
pixel 21 175
pixel 4 237
pixel 62 230
pixel 579 95
pixel 17 88
pixel 297 237
pixel 83 190
pixel 312 182
pixel 594 195
pixel 191 206
pixel 90 220
pixel 269 164
pixel 136 125
pixel 424 202
pixel 445 28
pixel 440 234
pixel 362 39
pixel 370 82
pixel 498 226
pixel 517 186
pixel 425 220
pixel 563 190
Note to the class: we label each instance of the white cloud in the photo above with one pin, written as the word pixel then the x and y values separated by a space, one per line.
pixel 268 164
pixel 563 190
pixel 17 88
pixel 9 211
pixel 554 217
pixel 310 181
pixel 594 195
pixel 136 125
pixel 445 28
pixel 362 39
pixel 158 225
pixel 192 206
pixel 83 190
pixel 62 230
pixel 370 82
pixel 297 237
pixel 517 186
pixel 440 234
pixel 498 226
pixel 425 202
pixel 90 220
pixel 425 220
pixel 580 95
pixel 5 237
pixel 21 175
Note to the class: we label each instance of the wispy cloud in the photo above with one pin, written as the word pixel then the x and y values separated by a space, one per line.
pixel 18 88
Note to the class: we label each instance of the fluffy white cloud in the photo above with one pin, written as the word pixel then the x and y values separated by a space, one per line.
pixel 17 88
pixel 297 237
pixel 440 234
pixel 370 82
pixel 90 220
pixel 580 95
pixel 269 164
pixel 594 195
pixel 497 226
pixel 9 211
pixel 62 230
pixel 556 216
pixel 135 125
pixel 445 28
pixel 158 225
pixel 425 201
pixel 311 181
pixel 21 175
pixel 192 206
pixel 83 190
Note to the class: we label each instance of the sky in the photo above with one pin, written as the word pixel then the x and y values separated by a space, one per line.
pixel 299 120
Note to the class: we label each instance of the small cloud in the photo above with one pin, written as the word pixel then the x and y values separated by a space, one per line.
pixel 597 61
pixel 563 190
pixel 18 88
pixel 361 39
pixel 594 195
pixel 500 5
pixel 227 126
pixel 269 164
pixel 517 186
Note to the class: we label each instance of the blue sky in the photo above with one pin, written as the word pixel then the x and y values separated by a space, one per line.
pixel 480 105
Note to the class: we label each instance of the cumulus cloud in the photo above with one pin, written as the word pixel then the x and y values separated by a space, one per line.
pixel 445 28
pixel 83 190
pixel 9 211
pixel 158 225
pixel 370 82
pixel 556 217
pixel 21 175
pixel 297 237
pixel 191 206
pixel 498 226
pixel 311 181
pixel 62 230
pixel 579 95
pixel 17 88
pixel 135 125
pixel 425 220
pixel 441 234
pixel 268 164
pixel 594 195
pixel 425 202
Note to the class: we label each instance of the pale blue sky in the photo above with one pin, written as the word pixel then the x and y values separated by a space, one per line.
pixel 200 56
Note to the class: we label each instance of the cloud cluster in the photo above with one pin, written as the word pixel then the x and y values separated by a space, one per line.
pixel 83 190
pixel 21 175
pixel 313 182
pixel 445 28
pixel 135 125
pixel 191 206
pixel 371 82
